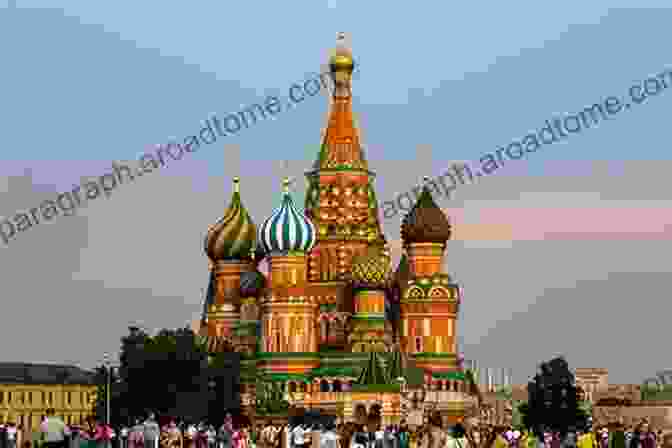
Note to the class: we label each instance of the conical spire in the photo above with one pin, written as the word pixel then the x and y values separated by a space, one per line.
pixel 373 373
pixel 341 148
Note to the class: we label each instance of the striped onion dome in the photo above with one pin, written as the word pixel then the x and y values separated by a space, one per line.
pixel 373 269
pixel 233 237
pixel 287 229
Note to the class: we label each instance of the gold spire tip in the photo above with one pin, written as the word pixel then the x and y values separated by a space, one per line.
pixel 285 184
pixel 236 184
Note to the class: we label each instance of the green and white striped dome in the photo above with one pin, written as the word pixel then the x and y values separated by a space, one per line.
pixel 233 237
pixel 287 229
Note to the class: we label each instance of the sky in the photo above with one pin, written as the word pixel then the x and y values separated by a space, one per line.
pixel 560 253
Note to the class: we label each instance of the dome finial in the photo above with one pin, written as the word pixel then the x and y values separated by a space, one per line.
pixel 342 61
pixel 236 184
pixel 285 184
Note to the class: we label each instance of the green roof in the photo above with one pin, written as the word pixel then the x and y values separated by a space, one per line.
pixel 286 377
pixel 373 373
pixel 335 371
pixel 455 375
pixel 396 368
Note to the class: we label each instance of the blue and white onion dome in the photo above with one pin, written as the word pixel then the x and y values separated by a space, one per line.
pixel 287 230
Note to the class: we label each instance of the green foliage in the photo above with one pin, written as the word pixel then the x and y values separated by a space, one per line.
pixel 505 393
pixel 523 411
pixel 168 373
pixel 654 393
pixel 516 417
pixel 554 399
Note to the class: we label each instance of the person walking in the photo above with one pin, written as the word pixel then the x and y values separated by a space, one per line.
pixel 151 432
pixel 136 435
pixel 53 430
pixel 11 434
pixel 224 435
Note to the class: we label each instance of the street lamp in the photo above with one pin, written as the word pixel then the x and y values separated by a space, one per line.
pixel 106 362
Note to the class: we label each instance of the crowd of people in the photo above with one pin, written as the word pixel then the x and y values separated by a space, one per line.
pixel 176 433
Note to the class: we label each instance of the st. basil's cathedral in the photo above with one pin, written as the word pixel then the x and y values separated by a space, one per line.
pixel 332 324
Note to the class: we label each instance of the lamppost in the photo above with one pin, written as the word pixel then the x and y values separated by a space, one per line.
pixel 106 362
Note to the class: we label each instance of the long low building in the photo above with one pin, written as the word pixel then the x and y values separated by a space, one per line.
pixel 28 390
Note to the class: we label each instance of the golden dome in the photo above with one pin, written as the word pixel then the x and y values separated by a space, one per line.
pixel 342 60
pixel 373 269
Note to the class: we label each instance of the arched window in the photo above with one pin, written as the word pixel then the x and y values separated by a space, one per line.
pixel 418 344
pixel 303 387
pixel 324 386
pixel 360 413
pixel 337 386
pixel 292 387
pixel 324 330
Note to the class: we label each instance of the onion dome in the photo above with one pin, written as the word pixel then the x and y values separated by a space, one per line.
pixel 287 229
pixel 426 222
pixel 342 60
pixel 372 270
pixel 252 283
pixel 234 236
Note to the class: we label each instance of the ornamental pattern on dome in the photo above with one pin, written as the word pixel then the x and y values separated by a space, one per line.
pixel 426 222
pixel 287 229
pixel 233 237
pixel 372 269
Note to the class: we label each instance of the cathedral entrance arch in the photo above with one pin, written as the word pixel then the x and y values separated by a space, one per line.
pixel 360 414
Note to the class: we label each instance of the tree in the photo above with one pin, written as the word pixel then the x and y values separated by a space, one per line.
pixel 167 373
pixel 224 379
pixel 552 400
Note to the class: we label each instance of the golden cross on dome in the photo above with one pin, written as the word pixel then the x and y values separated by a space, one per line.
pixel 288 180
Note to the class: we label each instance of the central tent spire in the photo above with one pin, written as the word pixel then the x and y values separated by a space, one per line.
pixel 341 147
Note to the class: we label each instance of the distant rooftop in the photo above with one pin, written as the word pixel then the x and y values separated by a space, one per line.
pixel 26 373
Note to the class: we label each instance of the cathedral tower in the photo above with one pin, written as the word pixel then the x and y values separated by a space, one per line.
pixel 289 315
pixel 371 273
pixel 340 199
pixel 429 302
pixel 229 244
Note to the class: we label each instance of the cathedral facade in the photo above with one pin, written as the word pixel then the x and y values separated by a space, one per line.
pixel 333 324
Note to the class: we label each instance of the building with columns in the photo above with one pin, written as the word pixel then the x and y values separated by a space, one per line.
pixel 332 312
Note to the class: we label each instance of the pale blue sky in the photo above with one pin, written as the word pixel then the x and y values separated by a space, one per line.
pixel 84 83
